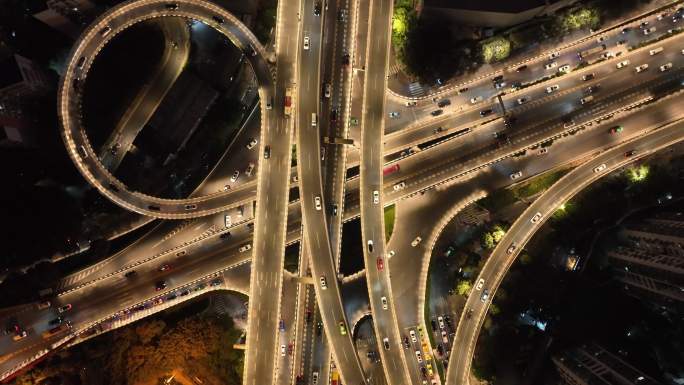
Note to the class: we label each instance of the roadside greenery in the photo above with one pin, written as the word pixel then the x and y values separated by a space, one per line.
pixel 495 49
pixel 584 17
pixel 389 221
pixel 505 197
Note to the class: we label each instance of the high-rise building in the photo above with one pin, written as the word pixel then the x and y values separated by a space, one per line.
pixel 66 16
pixel 591 364
pixel 650 264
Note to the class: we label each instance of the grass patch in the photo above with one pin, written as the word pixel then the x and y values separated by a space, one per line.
pixel 538 184
pixel 389 221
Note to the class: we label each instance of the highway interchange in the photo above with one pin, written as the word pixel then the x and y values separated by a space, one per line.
pixel 436 153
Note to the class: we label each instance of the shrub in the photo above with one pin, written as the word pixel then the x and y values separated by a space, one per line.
pixel 495 49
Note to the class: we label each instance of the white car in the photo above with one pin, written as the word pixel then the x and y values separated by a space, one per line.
pixel 228 221
pixel 324 284
pixel 445 337
pixel 412 333
pixel 655 51
pixel 516 175
pixel 245 247
pixel 235 176
pixel 440 319
pixel 419 356
pixel 522 100
pixel 551 65
pixel 622 64
pixel 249 169
pixel 416 241
pixel 306 43
pixel 543 151
pixel 384 302
pixel 665 67
pixel 511 248
pixel 683 52
pixel 327 90
pixel 554 55
pixel 314 378
pixel 607 55
pixel 600 168
pixel 649 31
pixel 282 350
pixel 399 186
pixel 565 68
pixel 536 218
pixel 391 254
pixel 317 202
pixel 251 144
pixel 394 114
pixel 476 99
pixel 376 197
pixel 480 284
pixel 641 68
pixel 552 88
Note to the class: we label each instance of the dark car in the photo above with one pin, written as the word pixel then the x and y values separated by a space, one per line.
pixel 486 112
pixel 267 152
pixel 319 328
pixel 433 324
pixel 184 292
pixel 216 282
pixel 56 321
pixel 588 77
pixel 345 59
pixel 462 90
pixel 436 112
pixel 443 103
pixel 333 115
pixel 130 273
pixel 171 6
pixel 497 79
pixel 160 285
pixel 171 297
pixel 630 153
pixel 423 371
pixel 521 68
pixel 225 235
pixel 317 9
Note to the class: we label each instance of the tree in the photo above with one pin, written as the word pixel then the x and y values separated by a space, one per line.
pixel 495 49
pixel 488 241
pixel 463 287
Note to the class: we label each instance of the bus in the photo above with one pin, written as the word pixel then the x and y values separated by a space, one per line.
pixel 390 169
pixel 334 377
pixel 288 101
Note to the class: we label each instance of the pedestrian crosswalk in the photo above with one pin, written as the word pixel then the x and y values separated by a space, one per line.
pixel 416 89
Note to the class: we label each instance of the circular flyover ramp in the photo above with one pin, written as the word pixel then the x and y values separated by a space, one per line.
pixel 83 54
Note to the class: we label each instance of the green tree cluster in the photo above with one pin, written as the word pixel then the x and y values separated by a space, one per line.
pixel 586 17
pixel 495 49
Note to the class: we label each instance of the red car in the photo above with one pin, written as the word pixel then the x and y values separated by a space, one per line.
pixel 380 263
pixel 289 348
pixel 165 267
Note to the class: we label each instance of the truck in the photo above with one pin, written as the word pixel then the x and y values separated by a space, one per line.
pixel 288 102
pixel 583 55
pixel 390 169
pixel 57 330
pixel 334 377
pixel 337 140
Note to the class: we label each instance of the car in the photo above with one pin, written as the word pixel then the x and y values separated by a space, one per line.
pixel 267 152
pixel 607 55
pixel 641 68
pixel 648 31
pixel 290 348
pixel 216 282
pixel 601 39
pixel 245 247
pixel 399 186
pixel 324 284
pixel 306 43
pixel 56 321
pixel 588 77
pixel 521 68
pixel 314 378
pixel 564 68
pixel 317 202
pixel 380 264
pixel 317 9
pixel 480 283
pixel 543 151
pixel 385 343
pixel 462 90
pixel 282 350
pixel 622 64
pixel 249 169
pixel 412 333
pixel 536 218
pixel 343 328
pixel 511 248
pixel 433 324
pixel 665 67
pixel 615 130
pixel 443 103
pixel 406 342
pixel 500 85
pixel 419 356
pixel 235 176
pixel 662 16
pixel 522 100
pixel 600 168
pixel 327 90
pixel 485 112
pixel 552 88
pixel 497 79
pixel 225 235
pixel 346 59
pixel 165 267
pixel 591 89
pixel 621 42
pixel 390 254
pixel 423 371
pixel 130 273
pixel 445 338
pixel 383 300
pixel 551 65
pixel 476 99
pixel 630 153
pixel 416 241
pixel 394 114
pixel 484 296
pixel 516 175
pixel 160 285
pixel 436 112
pixel 440 319
pixel 625 30
pixel 554 55
pixel 411 103
pixel 643 24
pixel 370 246
pixel 376 197
pixel 251 144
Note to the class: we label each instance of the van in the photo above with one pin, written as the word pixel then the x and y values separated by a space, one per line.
pixel 586 99
pixel 313 119
pixel 655 51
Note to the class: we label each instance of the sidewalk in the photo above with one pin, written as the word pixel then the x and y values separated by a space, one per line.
pixel 401 84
